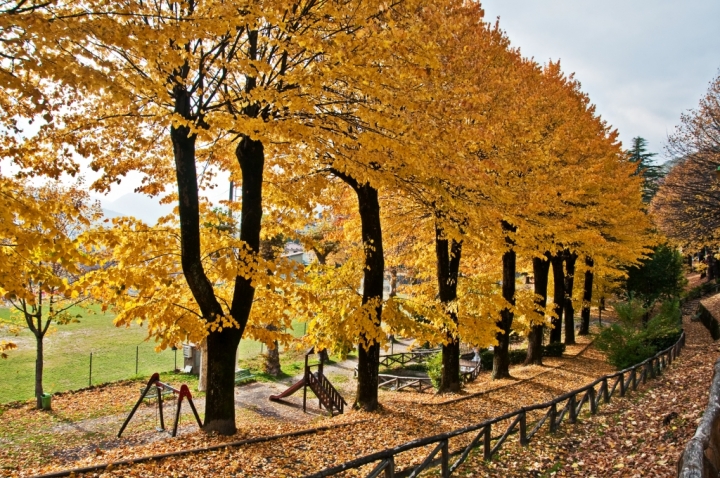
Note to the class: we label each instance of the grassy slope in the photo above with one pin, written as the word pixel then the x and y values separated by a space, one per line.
pixel 67 356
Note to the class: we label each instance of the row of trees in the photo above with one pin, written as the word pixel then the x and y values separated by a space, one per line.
pixel 686 204
pixel 433 147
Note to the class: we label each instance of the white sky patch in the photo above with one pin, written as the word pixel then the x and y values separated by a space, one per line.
pixel 643 62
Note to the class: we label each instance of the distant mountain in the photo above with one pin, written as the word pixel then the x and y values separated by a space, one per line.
pixel 668 165
pixel 110 214
pixel 136 205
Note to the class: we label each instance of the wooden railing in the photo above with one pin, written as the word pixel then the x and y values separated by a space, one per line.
pixel 701 456
pixel 395 383
pixel 417 356
pixel 471 375
pixel 328 396
pixel 566 407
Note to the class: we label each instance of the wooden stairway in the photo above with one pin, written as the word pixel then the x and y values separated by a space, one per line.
pixel 328 396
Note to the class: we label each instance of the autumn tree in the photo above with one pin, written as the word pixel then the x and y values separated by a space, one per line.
pixel 686 205
pixel 225 91
pixel 270 249
pixel 49 274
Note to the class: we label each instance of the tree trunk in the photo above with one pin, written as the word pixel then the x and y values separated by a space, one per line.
pixel 268 251
pixel 587 297
pixel 220 401
pixel 501 353
pixel 39 358
pixel 447 253
pixel 202 378
pixel 366 397
pixel 541 269
pixel 272 357
pixel 570 260
pixel 712 266
pixel 558 295
pixel 221 348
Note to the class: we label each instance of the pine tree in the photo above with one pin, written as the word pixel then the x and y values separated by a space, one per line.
pixel 651 173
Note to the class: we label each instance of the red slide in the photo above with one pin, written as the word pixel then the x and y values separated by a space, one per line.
pixel 294 388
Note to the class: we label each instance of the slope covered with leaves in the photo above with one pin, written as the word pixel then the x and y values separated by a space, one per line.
pixel 642 434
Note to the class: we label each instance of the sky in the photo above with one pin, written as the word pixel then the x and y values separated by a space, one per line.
pixel 642 62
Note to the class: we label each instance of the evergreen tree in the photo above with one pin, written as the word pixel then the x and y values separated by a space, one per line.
pixel 660 277
pixel 651 173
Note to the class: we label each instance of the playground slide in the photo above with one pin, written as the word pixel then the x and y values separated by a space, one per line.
pixel 294 388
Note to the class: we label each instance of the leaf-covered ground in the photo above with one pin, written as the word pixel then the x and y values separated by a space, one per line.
pixel 626 433
pixel 640 435
pixel 405 416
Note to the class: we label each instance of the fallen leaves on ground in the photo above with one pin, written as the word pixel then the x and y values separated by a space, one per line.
pixel 639 435
pixel 627 434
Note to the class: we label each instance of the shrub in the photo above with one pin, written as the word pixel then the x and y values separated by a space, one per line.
pixel 629 342
pixel 624 346
pixel 630 313
pixel 553 350
pixel 434 369
pixel 516 356
pixel 695 293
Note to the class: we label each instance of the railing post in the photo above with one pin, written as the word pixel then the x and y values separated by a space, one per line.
pixel 486 442
pixel 390 468
pixel 444 465
pixel 622 384
pixel 571 409
pixel 593 403
pixel 552 416
pixel 633 376
pixel 523 428
pixel 305 386
pixel 605 391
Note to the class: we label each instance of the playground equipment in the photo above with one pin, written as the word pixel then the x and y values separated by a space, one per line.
pixel 327 395
pixel 161 387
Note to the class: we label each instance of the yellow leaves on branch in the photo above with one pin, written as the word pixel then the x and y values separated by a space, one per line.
pixel 41 248
pixel 426 102
pixel 143 281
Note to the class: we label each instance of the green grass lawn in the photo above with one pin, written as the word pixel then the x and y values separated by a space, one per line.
pixel 67 356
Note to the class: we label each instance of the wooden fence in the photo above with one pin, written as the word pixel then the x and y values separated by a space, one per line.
pixel 701 457
pixel 401 358
pixel 566 407
pixel 419 384
pixel 396 383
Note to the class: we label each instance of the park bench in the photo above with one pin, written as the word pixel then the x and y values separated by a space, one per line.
pixel 243 375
